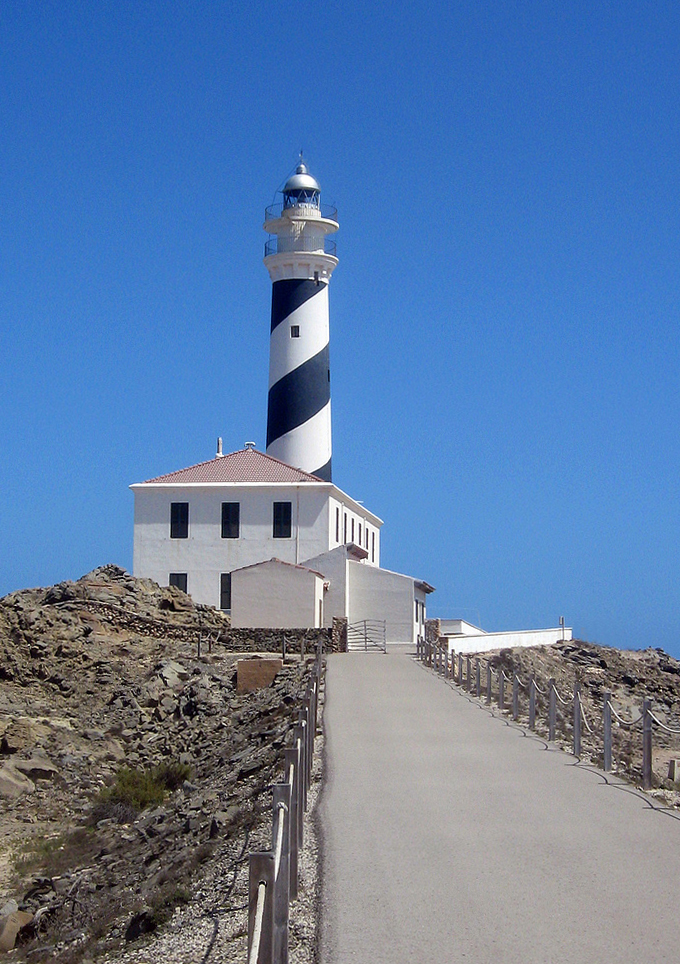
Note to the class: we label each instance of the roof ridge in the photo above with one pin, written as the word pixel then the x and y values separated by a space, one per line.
pixel 254 463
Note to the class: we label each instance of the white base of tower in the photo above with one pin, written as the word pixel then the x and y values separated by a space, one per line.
pixel 306 447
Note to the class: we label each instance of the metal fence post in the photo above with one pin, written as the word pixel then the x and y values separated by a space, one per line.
pixel 515 696
pixel 468 674
pixel 301 735
pixel 532 704
pixel 488 683
pixel 261 867
pixel 552 711
pixel 292 756
pixel 577 720
pixel 646 745
pixel 281 798
pixel 460 669
pixel 501 689
pixel 478 680
pixel 607 727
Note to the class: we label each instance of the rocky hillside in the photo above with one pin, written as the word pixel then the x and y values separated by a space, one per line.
pixel 129 766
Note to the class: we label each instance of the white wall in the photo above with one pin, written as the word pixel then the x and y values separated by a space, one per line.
pixel 370 532
pixel 381 594
pixel 520 639
pixel 461 626
pixel 275 595
pixel 333 565
pixel 204 554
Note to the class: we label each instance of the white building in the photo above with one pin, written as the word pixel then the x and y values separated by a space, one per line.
pixel 223 530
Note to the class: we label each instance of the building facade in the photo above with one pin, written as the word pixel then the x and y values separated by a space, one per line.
pixel 193 527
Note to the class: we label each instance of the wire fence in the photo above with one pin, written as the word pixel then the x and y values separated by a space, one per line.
pixel 273 874
pixel 458 669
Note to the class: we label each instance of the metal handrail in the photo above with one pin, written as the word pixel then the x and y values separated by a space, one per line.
pixel 277 245
pixel 275 211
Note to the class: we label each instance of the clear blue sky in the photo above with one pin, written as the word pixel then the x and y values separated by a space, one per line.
pixel 504 319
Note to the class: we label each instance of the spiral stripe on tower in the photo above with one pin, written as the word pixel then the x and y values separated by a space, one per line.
pixel 299 404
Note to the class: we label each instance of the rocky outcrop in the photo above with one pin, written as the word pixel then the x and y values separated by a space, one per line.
pixel 103 674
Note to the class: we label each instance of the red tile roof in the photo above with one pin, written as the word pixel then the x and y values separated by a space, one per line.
pixel 246 465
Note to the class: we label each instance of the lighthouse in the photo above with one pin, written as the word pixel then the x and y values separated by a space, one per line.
pixel 300 258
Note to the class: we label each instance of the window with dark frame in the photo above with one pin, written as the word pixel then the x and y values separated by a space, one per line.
pixel 225 590
pixel 416 610
pixel 179 520
pixel 352 530
pixel 345 529
pixel 231 520
pixel 283 516
pixel 373 547
pixel 359 539
pixel 337 524
pixel 178 580
pixel 294 331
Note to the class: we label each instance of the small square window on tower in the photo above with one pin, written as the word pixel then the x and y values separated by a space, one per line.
pixel 294 331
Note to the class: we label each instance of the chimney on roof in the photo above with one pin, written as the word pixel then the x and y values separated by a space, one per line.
pixel 219 448
pixel 249 445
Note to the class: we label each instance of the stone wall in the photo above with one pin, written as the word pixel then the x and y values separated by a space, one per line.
pixel 244 640
pixel 339 634
pixel 432 630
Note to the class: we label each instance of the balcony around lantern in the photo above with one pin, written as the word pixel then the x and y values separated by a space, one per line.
pixel 276 211
pixel 284 245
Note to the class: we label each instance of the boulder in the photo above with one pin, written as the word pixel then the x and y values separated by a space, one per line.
pixel 10 925
pixel 13 783
pixel 254 674
pixel 37 768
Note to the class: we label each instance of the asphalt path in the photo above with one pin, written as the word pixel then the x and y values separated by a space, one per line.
pixel 449 835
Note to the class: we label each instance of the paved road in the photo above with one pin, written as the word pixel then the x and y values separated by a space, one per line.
pixel 448 836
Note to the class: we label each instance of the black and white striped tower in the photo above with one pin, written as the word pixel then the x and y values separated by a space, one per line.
pixel 300 258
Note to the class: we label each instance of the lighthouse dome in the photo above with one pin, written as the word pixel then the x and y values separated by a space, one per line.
pixel 301 189
pixel 302 180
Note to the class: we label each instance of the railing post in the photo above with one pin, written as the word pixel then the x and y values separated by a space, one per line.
pixel 292 756
pixel 460 669
pixel 261 867
pixel 468 674
pixel 488 683
pixel 301 735
pixel 646 745
pixel 515 696
pixel 281 798
pixel 532 704
pixel 501 689
pixel 607 727
pixel 478 681
pixel 552 711
pixel 577 721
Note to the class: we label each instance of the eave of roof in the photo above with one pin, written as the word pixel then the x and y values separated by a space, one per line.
pixel 280 562
pixel 215 473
